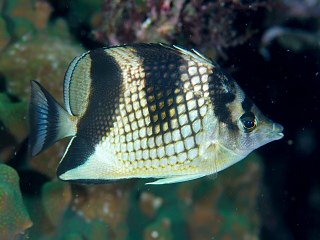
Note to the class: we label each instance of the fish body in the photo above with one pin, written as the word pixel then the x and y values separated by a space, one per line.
pixel 147 111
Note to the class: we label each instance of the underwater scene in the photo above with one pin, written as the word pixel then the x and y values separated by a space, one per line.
pixel 159 119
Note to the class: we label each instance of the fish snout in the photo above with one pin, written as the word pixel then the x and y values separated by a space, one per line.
pixel 277 131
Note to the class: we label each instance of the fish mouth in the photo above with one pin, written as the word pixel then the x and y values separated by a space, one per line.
pixel 277 131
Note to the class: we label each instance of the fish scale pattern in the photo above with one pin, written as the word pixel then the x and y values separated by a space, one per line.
pixel 159 123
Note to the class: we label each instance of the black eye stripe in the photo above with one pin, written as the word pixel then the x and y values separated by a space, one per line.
pixel 247 104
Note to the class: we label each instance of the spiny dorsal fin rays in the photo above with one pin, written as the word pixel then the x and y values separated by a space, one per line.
pixel 195 54
pixel 200 55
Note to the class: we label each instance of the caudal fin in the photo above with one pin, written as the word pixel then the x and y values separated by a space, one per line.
pixel 48 121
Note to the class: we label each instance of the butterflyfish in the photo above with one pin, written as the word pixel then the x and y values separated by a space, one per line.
pixel 147 111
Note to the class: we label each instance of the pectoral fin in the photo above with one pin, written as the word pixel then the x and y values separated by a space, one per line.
pixel 210 157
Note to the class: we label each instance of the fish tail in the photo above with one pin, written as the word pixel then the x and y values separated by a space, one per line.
pixel 48 120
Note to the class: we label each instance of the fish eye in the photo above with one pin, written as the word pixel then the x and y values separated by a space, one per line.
pixel 248 121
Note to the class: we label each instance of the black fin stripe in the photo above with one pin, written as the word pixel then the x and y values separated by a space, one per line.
pixel 246 104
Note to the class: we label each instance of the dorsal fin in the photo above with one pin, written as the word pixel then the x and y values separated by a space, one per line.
pixel 193 54
pixel 77 83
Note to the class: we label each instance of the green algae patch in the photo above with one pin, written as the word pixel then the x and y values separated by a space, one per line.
pixel 13 116
pixel 4 34
pixel 14 217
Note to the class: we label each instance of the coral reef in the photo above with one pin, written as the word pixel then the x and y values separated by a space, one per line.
pixel 40 51
pixel 224 208
pixel 19 64
pixel 51 207
pixel 107 203
pixel 24 16
pixel 13 128
pixel 213 210
pixel 208 26
pixel 286 30
pixel 56 197
pixel 4 35
pixel 13 116
pixel 43 56
pixel 14 218
pixel 67 211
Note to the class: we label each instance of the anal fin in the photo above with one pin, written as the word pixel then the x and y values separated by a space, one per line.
pixel 76 154
pixel 82 164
